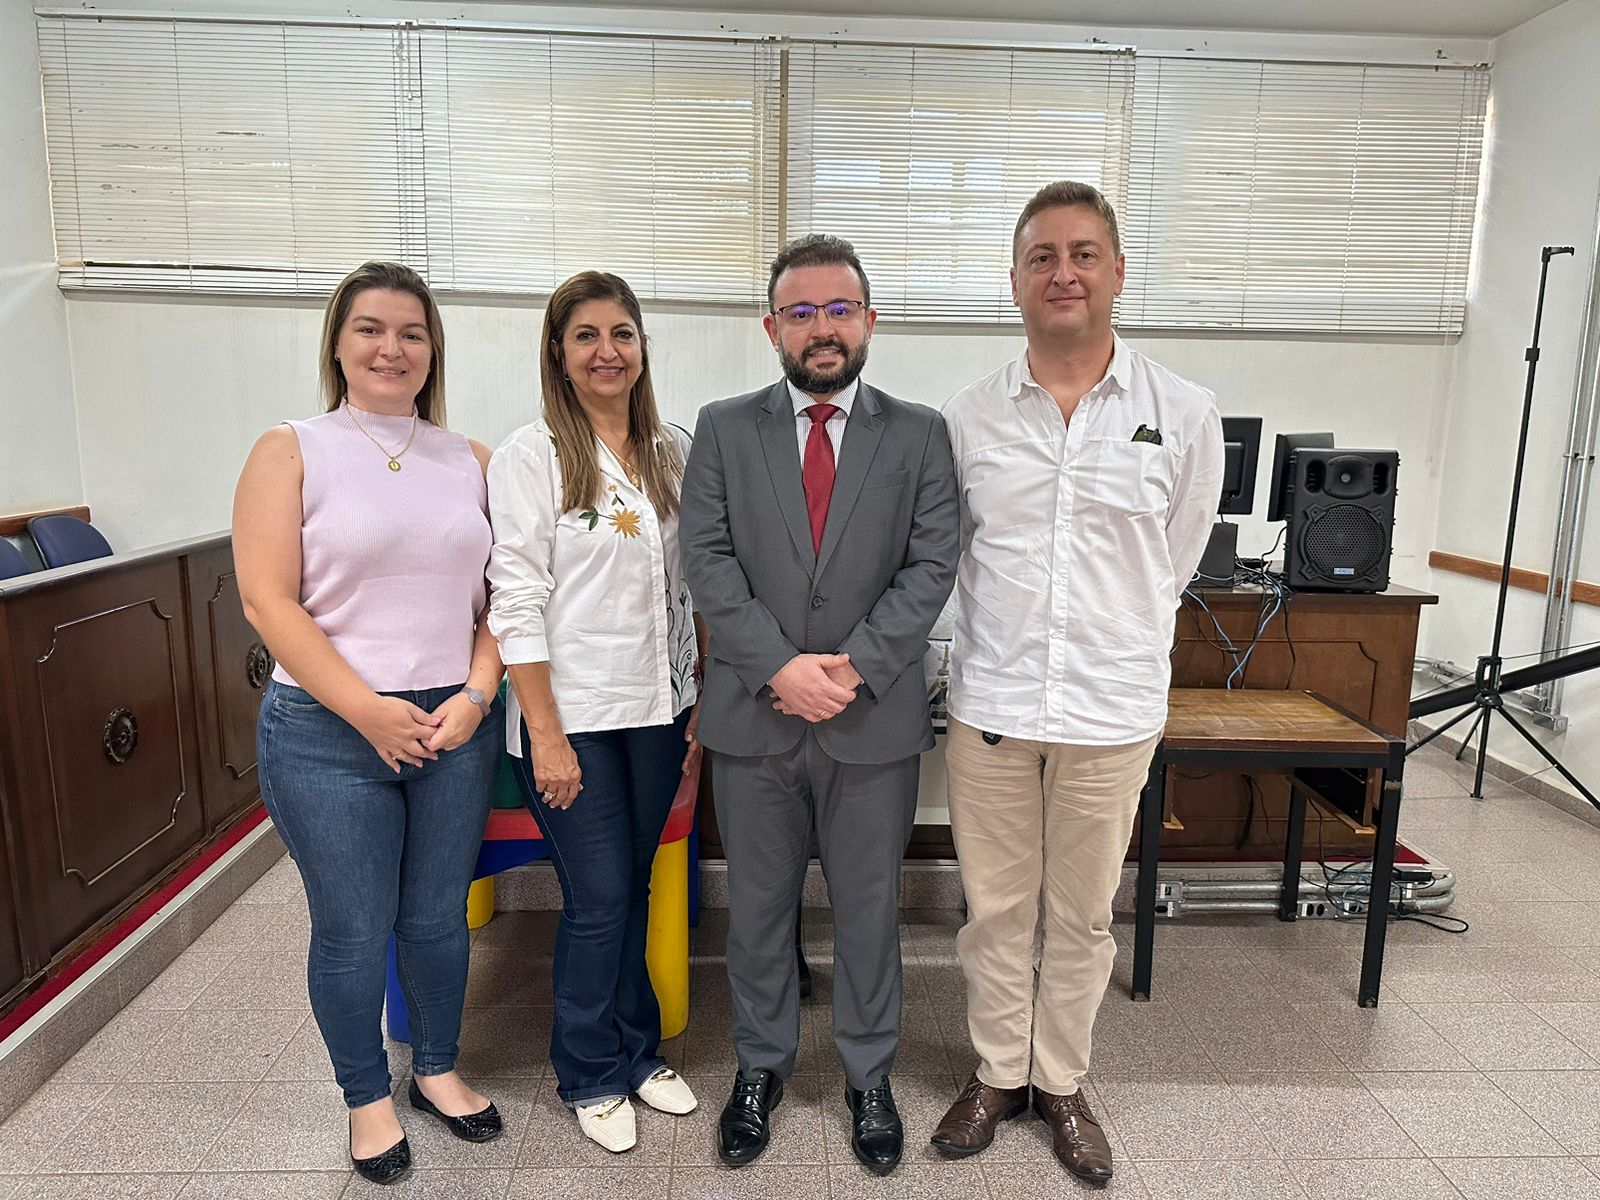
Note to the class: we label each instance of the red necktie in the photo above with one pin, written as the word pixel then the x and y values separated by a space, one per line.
pixel 816 471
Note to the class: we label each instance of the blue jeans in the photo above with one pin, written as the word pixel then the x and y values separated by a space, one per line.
pixel 607 1028
pixel 380 853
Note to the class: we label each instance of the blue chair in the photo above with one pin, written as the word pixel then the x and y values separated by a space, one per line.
pixel 12 563
pixel 64 539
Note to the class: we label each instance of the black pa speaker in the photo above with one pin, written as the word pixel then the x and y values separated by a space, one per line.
pixel 1341 520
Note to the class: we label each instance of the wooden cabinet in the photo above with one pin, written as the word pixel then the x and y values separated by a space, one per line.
pixel 127 718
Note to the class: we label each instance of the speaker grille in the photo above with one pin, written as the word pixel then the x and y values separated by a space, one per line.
pixel 1343 542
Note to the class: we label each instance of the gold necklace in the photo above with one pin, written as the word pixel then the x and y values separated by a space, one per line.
pixel 394 459
pixel 628 469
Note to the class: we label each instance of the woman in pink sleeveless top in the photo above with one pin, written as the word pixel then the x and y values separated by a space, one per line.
pixel 361 538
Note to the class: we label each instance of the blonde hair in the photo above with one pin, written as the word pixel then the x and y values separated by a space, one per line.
pixel 383 277
pixel 657 457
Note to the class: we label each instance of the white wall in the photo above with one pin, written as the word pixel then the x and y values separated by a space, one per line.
pixel 1543 161
pixel 38 424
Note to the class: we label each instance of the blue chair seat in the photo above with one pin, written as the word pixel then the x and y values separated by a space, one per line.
pixel 64 539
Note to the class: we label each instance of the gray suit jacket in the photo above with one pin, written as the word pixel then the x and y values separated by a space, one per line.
pixel 887 564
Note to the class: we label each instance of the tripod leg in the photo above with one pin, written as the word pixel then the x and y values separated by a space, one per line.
pixel 1483 756
pixel 1450 724
pixel 1467 737
pixel 1550 758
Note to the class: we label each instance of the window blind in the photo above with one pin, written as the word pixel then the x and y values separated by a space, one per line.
pixel 222 156
pixel 547 154
pixel 1302 196
pixel 923 157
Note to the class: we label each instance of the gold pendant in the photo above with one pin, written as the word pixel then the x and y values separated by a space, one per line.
pixel 393 466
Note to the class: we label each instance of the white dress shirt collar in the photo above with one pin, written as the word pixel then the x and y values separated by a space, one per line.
pixel 1019 376
pixel 843 400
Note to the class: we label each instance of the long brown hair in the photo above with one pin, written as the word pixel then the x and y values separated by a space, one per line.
pixel 656 455
pixel 384 277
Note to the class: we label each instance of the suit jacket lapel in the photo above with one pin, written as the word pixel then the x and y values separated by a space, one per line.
pixel 861 434
pixel 777 429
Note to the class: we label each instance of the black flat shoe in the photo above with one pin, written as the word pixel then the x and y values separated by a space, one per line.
pixel 482 1126
pixel 386 1167
pixel 876 1135
pixel 744 1126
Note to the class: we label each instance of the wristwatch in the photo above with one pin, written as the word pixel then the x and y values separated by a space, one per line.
pixel 478 698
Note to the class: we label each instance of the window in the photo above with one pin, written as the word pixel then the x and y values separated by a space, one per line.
pixel 1302 196
pixel 192 155
pixel 923 156
pixel 650 157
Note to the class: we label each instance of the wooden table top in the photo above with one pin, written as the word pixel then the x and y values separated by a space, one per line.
pixel 1256 718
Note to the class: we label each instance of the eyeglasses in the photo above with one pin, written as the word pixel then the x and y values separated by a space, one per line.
pixel 838 311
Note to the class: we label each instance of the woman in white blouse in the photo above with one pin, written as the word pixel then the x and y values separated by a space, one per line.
pixel 594 621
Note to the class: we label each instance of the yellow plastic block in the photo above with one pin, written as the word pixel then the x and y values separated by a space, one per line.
pixel 480 902
pixel 667 944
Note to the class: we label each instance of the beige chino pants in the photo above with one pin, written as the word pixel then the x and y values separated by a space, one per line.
pixel 1041 830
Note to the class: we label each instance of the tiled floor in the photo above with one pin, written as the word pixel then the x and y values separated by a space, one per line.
pixel 1252 1073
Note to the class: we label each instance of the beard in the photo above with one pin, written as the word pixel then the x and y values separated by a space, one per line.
pixel 824 383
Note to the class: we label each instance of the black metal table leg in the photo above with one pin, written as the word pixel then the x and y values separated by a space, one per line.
pixel 1382 878
pixel 1144 927
pixel 1289 896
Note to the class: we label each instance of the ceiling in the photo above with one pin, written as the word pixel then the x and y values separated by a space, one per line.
pixel 1427 18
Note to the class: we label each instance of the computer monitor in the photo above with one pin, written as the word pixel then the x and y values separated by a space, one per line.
pixel 1283 469
pixel 1241 447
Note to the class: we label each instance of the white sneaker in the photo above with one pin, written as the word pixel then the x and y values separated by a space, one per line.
pixel 609 1123
pixel 665 1091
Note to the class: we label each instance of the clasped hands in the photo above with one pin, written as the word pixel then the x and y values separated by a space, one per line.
pixel 815 686
pixel 402 733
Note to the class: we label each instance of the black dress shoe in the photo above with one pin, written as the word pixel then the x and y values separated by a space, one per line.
pixel 876 1134
pixel 482 1126
pixel 386 1167
pixel 743 1128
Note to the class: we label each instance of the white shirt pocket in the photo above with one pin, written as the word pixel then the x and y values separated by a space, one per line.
pixel 1125 476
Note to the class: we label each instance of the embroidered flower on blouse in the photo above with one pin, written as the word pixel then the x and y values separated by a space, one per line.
pixel 625 522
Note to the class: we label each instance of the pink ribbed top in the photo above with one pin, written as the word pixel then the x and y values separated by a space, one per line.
pixel 392 562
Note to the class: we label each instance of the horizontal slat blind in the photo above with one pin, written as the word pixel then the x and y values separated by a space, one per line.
pixel 1302 196
pixel 923 156
pixel 217 157
pixel 547 154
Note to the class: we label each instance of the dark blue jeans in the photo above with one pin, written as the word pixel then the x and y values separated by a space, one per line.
pixel 380 853
pixel 607 1027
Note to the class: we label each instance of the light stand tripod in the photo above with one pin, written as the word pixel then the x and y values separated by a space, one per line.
pixel 1485 695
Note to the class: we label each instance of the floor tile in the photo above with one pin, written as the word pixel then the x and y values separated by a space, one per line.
pixel 280 885
pixel 265 1185
pixel 1577 1021
pixel 1503 1037
pixel 1521 1178
pixel 505 1041
pixel 1143 1038
pixel 749 1183
pixel 111 1053
pixel 259 980
pixel 1457 1114
pixel 1565 1103
pixel 100 1187
pixel 293 1126
pixel 1041 1181
pixel 1372 1179
pixel 47 1117
pixel 1180 1118
pixel 1326 1116
pixel 184 979
pixel 1260 1037
pixel 149 1127
pixel 1220 1181
pixel 258 928
pixel 550 1183
pixel 1391 1037
pixel 909 1181
pixel 205 1045
pixel 505 977
pixel 453 1184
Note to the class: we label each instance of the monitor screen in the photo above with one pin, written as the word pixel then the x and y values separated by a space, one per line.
pixel 1241 447
pixel 1283 469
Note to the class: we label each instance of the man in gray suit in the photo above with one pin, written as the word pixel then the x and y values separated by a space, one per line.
pixel 820 529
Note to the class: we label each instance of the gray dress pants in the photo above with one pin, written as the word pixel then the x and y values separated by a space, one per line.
pixel 767 809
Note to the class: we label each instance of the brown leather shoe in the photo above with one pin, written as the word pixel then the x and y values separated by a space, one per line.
pixel 970 1124
pixel 1075 1135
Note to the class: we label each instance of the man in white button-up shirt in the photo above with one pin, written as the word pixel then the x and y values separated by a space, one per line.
pixel 1090 478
